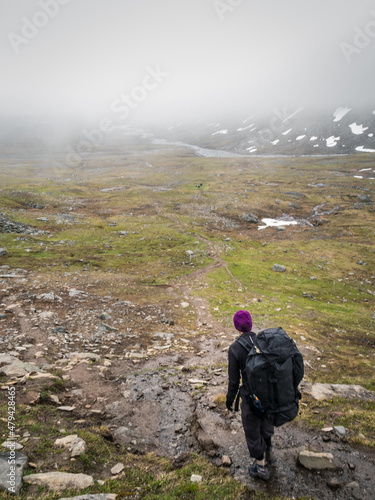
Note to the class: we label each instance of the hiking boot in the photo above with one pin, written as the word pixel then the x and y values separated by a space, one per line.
pixel 270 456
pixel 260 471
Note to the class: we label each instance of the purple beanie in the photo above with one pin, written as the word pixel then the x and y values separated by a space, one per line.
pixel 242 321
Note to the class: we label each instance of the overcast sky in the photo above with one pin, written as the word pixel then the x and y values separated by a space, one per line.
pixel 184 57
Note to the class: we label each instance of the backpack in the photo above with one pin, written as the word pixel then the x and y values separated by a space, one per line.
pixel 273 370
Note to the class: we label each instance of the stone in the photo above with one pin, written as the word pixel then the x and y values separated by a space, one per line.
pixel 340 430
pixel 195 478
pixel 197 381
pixel 12 445
pixel 3 252
pixel 250 218
pixel 227 461
pixel 54 398
pixel 13 367
pixel 20 464
pixel 328 391
pixel 58 481
pixel 278 268
pixel 117 468
pixel 184 305
pixel 334 483
pixel 73 443
pixel 98 496
pixel 66 408
pixel 78 356
pixel 317 461
pixel 49 297
pixel 105 316
pixel 76 293
pixel 364 198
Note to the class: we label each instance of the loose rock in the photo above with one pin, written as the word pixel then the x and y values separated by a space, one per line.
pixel 73 443
pixel 117 469
pixel 58 481
pixel 250 218
pixel 278 268
pixel 195 478
pixel 316 461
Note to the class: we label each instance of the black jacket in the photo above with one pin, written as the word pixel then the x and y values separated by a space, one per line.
pixel 236 365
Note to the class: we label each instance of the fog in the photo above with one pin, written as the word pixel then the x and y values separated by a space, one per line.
pixel 151 60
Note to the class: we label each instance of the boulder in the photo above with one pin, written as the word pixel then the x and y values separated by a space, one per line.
pixel 250 218
pixel 2 252
pixel 329 391
pixel 58 481
pixel 13 367
pixel 317 461
pixel 278 268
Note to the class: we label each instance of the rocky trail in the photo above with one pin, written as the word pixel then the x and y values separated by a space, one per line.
pixel 155 386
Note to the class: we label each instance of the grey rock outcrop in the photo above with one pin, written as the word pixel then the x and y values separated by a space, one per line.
pixel 250 218
pixel 328 391
pixel 8 481
pixel 58 481
pixel 317 461
pixel 278 268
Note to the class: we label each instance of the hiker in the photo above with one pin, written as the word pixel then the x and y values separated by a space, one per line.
pixel 258 432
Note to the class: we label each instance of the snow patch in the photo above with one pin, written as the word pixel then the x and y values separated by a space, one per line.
pixel 245 128
pixel 340 113
pixel 248 119
pixel 287 131
pixel 300 137
pixel 357 129
pixel 220 132
pixel 313 138
pixel 362 149
pixel 275 142
pixel 332 141
pixel 277 222
pixel 251 150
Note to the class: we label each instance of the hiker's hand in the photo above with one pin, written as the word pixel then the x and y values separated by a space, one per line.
pixel 229 404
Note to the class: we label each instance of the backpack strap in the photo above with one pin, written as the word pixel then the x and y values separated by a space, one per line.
pixel 248 348
pixel 245 344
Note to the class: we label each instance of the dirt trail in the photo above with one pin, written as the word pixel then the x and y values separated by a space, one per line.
pixel 167 403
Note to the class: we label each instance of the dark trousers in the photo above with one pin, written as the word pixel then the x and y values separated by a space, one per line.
pixel 258 432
